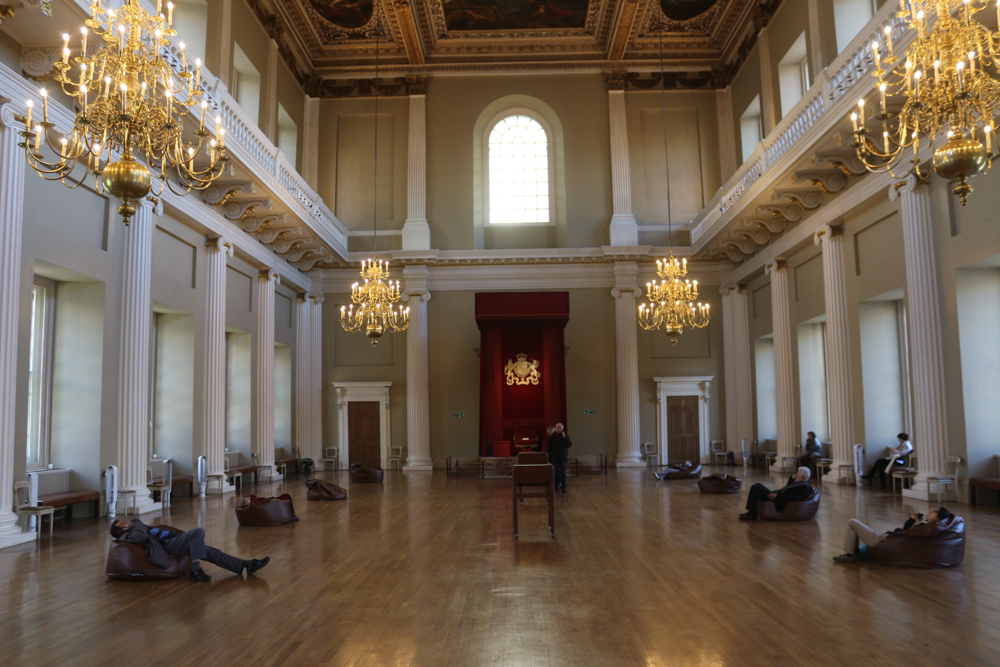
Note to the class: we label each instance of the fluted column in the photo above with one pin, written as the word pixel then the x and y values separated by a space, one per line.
pixel 624 231
pixel 316 354
pixel 627 364
pixel 784 386
pixel 923 308
pixel 11 221
pixel 263 412
pixel 133 378
pixel 416 232
pixel 838 350
pixel 736 339
pixel 303 381
pixel 218 250
pixel 418 410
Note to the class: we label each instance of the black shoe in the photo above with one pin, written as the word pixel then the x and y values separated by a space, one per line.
pixel 199 575
pixel 255 565
pixel 748 516
pixel 846 558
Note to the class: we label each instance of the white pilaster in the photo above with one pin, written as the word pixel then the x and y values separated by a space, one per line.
pixel 418 410
pixel 310 142
pixel 726 129
pixel 133 378
pixel 217 251
pixel 263 435
pixel 923 306
pixel 784 385
pixel 303 381
pixel 768 108
pixel 416 232
pixel 624 231
pixel 627 364
pixel 739 396
pixel 11 223
pixel 316 354
pixel 838 351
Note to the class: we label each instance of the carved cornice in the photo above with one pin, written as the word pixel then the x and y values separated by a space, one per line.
pixel 807 199
pixel 237 210
pixel 615 79
pixel 416 84
pixel 828 180
pixel 220 193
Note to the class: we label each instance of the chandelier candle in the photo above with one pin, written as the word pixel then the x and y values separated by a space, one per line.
pixel 136 117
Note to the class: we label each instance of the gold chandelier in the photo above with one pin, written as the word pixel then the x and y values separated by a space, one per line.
pixel 948 80
pixel 673 301
pixel 131 103
pixel 376 295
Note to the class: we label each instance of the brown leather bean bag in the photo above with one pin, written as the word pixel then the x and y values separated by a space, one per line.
pixel 931 545
pixel 716 484
pixel 265 512
pixel 318 489
pixel 795 510
pixel 128 562
pixel 365 475
pixel 694 472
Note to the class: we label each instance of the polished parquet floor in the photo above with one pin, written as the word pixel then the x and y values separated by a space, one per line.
pixel 424 570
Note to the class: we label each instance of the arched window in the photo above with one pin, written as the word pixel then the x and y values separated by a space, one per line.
pixel 518 170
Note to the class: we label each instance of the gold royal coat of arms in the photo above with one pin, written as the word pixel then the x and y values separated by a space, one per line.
pixel 522 371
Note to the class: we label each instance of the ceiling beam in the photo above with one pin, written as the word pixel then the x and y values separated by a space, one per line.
pixel 408 29
pixel 629 15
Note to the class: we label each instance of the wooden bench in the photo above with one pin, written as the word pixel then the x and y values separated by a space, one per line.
pixel 244 470
pixel 982 483
pixel 292 464
pixel 67 498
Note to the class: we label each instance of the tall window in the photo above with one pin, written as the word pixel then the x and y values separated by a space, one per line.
pixel 519 172
pixel 40 372
pixel 751 131
pixel 245 84
pixel 793 75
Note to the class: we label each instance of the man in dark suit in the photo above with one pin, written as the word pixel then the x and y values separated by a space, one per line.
pixel 557 445
pixel 161 543
pixel 798 488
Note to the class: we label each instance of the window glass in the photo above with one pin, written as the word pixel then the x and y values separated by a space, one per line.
pixel 39 372
pixel 519 172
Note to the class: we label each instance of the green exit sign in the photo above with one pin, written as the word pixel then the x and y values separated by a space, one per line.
pixel 459 415
pixel 590 412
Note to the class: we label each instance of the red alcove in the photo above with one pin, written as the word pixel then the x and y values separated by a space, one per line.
pixel 511 323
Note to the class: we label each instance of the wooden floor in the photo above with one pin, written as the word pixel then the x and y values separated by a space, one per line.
pixel 425 571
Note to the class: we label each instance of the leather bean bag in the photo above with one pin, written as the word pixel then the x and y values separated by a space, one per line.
pixel 365 475
pixel 694 472
pixel 931 545
pixel 318 489
pixel 795 510
pixel 716 484
pixel 128 562
pixel 265 512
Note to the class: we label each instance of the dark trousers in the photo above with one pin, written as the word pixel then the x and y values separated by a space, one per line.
pixel 880 467
pixel 192 543
pixel 758 492
pixel 559 469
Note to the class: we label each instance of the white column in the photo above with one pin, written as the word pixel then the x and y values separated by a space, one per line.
pixel 133 378
pixel 768 111
pixel 263 435
pixel 784 386
pixel 736 341
pixel 624 231
pixel 316 354
pixel 416 232
pixel 11 223
pixel 627 364
pixel 838 350
pixel 218 250
pixel 303 382
pixel 418 407
pixel 923 307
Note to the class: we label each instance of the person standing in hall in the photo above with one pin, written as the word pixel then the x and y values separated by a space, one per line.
pixel 557 445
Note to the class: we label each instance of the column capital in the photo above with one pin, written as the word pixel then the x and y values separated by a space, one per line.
pixel 269 275
pixel 317 298
pixel 221 244
pixel 416 84
pixel 828 231
pixel 626 279
pixel 908 184
pixel 777 264
pixel 615 79
pixel 7 111
pixel 729 290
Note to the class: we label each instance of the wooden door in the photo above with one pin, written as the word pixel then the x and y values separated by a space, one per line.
pixel 683 436
pixel 363 437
